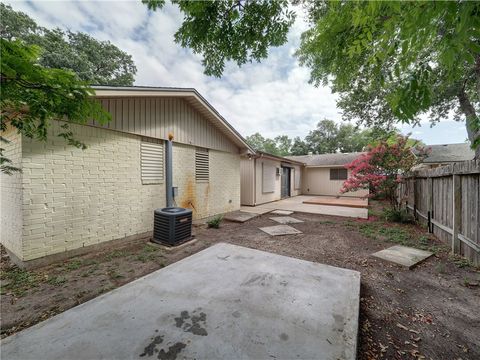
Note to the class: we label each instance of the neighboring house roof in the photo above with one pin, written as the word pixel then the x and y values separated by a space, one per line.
pixel 447 153
pixel 326 160
pixel 190 95
pixel 286 159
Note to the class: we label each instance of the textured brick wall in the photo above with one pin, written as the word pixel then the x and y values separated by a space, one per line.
pixel 11 196
pixel 220 194
pixel 75 198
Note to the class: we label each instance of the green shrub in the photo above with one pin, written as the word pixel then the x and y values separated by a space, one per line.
pixel 398 216
pixel 215 222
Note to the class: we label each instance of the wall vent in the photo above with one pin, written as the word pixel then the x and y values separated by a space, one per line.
pixel 202 165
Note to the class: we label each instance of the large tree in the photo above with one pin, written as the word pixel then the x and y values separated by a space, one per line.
pixel 389 61
pixel 32 96
pixel 93 61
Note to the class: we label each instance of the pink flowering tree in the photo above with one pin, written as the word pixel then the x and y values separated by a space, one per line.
pixel 382 168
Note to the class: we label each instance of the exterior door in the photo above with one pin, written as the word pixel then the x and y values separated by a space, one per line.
pixel 285 181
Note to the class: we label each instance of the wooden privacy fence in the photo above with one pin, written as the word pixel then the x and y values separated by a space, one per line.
pixel 447 199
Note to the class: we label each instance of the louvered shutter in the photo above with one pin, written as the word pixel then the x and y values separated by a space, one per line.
pixel 202 165
pixel 152 162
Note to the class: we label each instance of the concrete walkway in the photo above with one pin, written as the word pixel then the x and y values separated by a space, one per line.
pixel 296 203
pixel 226 302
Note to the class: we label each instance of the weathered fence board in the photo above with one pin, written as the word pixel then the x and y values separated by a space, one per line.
pixel 450 197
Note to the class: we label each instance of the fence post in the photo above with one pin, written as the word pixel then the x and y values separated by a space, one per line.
pixel 430 201
pixel 415 216
pixel 457 212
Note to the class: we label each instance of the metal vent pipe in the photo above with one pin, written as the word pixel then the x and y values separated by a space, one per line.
pixel 169 171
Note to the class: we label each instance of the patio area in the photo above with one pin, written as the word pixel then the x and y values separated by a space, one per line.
pixel 259 306
pixel 303 203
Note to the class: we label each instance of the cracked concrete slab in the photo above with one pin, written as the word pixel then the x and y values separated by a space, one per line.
pixel 277 230
pixel 286 220
pixel 402 255
pixel 225 302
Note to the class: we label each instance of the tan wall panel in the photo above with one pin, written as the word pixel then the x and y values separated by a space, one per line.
pixel 156 117
pixel 247 181
pixel 317 182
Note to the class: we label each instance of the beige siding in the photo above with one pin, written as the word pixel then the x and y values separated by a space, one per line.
pixel 317 182
pixel 247 181
pixel 157 117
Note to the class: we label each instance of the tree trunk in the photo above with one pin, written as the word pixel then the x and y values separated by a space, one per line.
pixel 472 120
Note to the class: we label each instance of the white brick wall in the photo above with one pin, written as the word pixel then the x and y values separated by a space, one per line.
pixel 74 198
pixel 11 195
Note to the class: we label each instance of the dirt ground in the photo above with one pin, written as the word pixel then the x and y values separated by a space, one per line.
pixel 432 311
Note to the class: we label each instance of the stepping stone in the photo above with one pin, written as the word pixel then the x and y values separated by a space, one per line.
pixel 255 210
pixel 280 230
pixel 239 216
pixel 402 255
pixel 286 220
pixel 282 212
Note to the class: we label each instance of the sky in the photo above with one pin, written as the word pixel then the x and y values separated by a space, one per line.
pixel 272 97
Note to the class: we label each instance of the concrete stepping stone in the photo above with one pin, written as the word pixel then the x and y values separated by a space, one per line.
pixel 255 210
pixel 282 212
pixel 286 220
pixel 280 230
pixel 239 216
pixel 402 255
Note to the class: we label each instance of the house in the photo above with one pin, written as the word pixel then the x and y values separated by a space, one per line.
pixel 438 155
pixel 325 174
pixel 266 177
pixel 68 201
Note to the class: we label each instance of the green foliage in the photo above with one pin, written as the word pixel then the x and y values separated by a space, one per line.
pixel 398 215
pixel 215 222
pixel 32 96
pixel 392 61
pixel 327 137
pixel 93 61
pixel 57 280
pixel 19 280
pixel 231 30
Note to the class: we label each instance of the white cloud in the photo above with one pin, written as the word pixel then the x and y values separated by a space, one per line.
pixel 272 97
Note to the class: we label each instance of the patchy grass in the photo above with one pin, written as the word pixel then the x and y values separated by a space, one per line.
pixel 57 280
pixel 116 254
pixel 18 281
pixel 461 262
pixel 73 264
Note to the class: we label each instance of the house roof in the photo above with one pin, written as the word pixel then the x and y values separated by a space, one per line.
pixel 446 153
pixel 190 95
pixel 287 159
pixel 326 160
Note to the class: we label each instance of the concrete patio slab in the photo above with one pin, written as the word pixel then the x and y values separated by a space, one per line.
pixel 402 255
pixel 286 220
pixel 226 302
pixel 282 212
pixel 296 204
pixel 254 210
pixel 278 230
pixel 240 216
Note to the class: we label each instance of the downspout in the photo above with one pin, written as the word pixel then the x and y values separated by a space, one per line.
pixel 169 171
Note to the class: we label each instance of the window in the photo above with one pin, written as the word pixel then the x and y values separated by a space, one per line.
pixel 338 174
pixel 151 161
pixel 202 166
pixel 268 177
pixel 298 180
